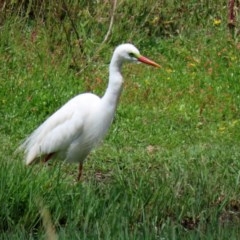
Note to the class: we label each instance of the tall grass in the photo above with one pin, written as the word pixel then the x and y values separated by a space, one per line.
pixel 80 27
pixel 169 167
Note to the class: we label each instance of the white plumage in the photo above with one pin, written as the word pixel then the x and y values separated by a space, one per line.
pixel 73 130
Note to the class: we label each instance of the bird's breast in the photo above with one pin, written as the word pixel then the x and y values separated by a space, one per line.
pixel 99 122
pixel 95 126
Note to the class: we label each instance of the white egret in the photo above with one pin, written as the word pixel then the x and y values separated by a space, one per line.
pixel 73 130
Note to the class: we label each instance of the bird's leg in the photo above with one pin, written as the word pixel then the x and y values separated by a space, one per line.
pixel 80 168
pixel 47 157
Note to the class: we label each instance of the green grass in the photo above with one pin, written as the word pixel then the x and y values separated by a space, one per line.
pixel 169 167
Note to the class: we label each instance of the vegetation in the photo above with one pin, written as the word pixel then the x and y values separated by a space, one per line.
pixel 169 167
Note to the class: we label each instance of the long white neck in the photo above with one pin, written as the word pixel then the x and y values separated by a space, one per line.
pixel 115 83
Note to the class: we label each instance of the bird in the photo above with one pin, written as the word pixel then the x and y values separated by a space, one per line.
pixel 80 124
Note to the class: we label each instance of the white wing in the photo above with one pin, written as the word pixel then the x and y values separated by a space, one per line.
pixel 60 129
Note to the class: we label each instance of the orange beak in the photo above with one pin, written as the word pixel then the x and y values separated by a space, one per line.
pixel 147 61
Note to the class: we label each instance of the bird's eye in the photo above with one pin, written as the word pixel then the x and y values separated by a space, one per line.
pixel 132 55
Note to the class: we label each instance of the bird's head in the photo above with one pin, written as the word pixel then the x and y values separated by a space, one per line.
pixel 128 52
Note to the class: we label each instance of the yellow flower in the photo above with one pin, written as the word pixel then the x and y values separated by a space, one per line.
pixel 233 58
pixel 169 70
pixel 191 64
pixel 234 122
pixel 216 21
pixel 222 129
